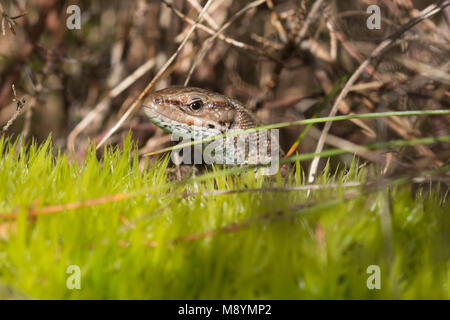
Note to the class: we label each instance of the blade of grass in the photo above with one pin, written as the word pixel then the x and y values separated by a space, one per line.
pixel 146 191
pixel 306 121
pixel 322 106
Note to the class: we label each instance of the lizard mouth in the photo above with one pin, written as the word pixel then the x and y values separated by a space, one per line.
pixel 150 109
pixel 161 120
pixel 154 112
pixel 156 116
pixel 176 127
pixel 172 118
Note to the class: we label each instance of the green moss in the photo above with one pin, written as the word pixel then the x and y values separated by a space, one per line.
pixel 160 243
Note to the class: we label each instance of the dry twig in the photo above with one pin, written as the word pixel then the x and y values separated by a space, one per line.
pixel 207 44
pixel 20 103
pixel 134 106
pixel 381 48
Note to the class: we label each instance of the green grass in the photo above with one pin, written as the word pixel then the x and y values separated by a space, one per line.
pixel 169 240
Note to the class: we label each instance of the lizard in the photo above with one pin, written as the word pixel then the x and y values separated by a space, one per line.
pixel 199 113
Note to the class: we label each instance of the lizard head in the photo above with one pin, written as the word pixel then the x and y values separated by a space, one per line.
pixel 188 110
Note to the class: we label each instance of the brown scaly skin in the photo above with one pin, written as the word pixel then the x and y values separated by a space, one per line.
pixel 198 107
pixel 197 112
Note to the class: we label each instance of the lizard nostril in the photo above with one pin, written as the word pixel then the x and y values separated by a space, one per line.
pixel 157 100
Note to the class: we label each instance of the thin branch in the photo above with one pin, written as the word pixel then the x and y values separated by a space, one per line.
pixel 33 213
pixel 208 18
pixel 230 41
pixel 19 108
pixel 207 44
pixel 424 14
pixel 134 106
pixel 103 104
pixel 312 16
pixel 277 23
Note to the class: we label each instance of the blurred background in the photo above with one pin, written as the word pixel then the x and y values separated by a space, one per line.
pixel 77 83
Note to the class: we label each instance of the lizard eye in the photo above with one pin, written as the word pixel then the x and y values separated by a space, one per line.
pixel 196 105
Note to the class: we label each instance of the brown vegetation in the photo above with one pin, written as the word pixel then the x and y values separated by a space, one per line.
pixel 281 58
